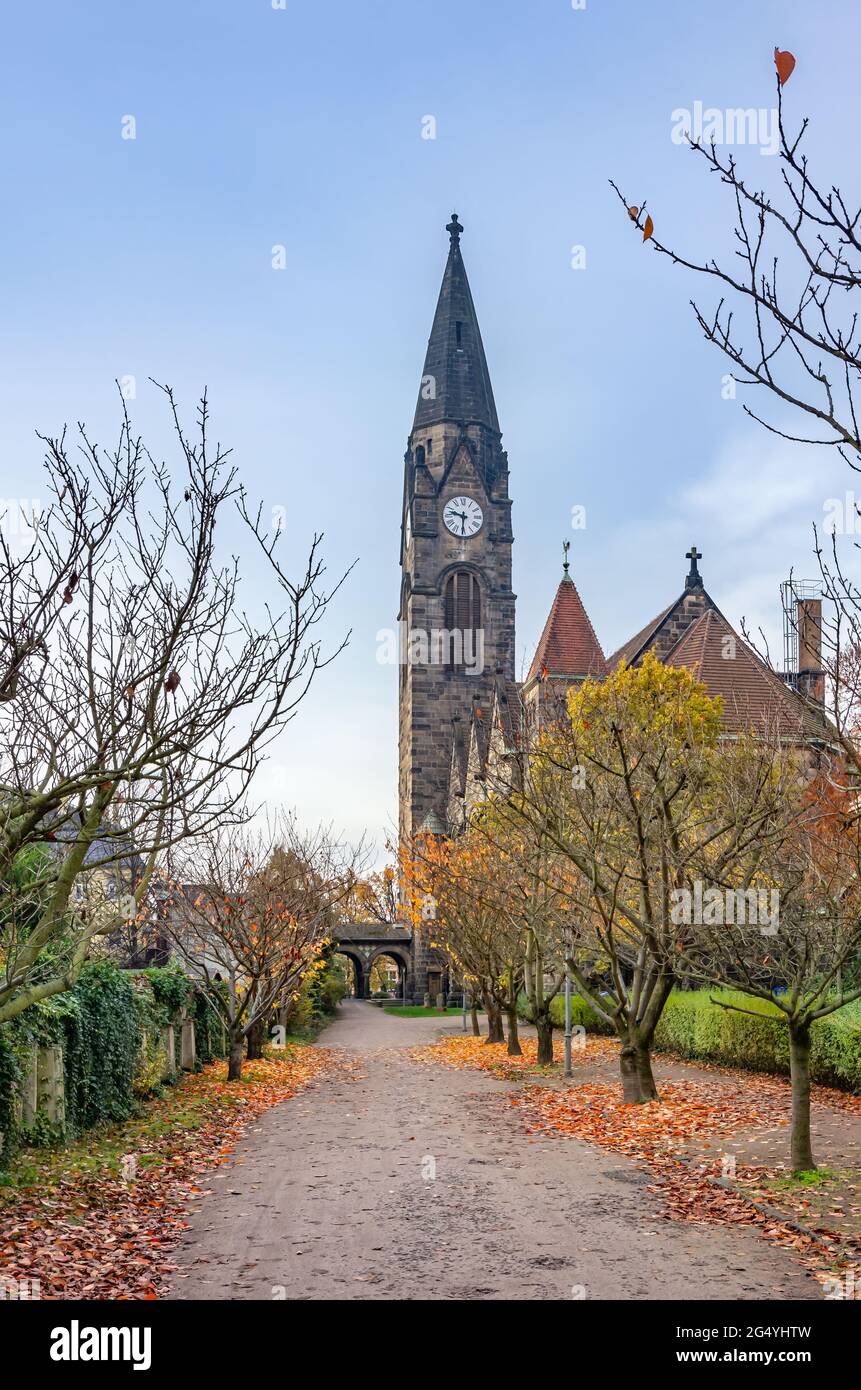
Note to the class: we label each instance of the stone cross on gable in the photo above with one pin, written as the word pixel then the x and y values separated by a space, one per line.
pixel 694 577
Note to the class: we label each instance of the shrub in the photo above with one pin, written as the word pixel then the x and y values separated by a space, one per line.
pixel 318 996
pixel 102 1040
pixel 582 1014
pixel 694 1026
pixel 171 988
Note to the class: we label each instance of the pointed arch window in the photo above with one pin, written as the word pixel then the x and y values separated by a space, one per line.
pixel 462 618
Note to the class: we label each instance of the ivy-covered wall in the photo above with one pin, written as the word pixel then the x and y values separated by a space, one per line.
pixel 111 1027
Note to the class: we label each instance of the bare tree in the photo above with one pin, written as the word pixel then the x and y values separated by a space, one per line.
pixel 788 326
pixel 253 911
pixel 530 884
pixel 137 695
pixel 374 898
pixel 787 323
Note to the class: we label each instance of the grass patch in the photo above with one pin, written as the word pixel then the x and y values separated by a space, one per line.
pixel 813 1177
pixel 419 1011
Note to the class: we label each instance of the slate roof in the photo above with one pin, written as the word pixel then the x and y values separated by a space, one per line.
pixel 507 710
pixel 432 824
pixel 459 751
pixel 455 354
pixel 480 730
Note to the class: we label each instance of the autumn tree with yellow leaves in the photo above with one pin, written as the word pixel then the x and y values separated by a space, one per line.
pixel 639 796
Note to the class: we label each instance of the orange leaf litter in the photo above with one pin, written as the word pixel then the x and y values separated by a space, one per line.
pixel 653 1134
pixel 83 1232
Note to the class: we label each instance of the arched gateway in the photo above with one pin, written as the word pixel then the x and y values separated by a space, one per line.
pixel 363 944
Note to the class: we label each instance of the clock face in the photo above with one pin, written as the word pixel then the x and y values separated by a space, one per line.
pixel 463 516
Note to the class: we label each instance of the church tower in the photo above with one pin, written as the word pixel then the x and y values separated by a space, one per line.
pixel 456 618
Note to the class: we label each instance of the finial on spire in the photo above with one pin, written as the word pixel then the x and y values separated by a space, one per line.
pixel 454 229
pixel 566 546
pixel 694 579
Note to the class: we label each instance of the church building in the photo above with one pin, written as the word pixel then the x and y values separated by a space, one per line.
pixel 462 710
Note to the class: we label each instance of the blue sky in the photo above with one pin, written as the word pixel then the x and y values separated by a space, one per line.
pixel 303 127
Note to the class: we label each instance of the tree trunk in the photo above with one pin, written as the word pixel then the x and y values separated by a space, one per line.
pixel 635 1061
pixel 545 1041
pixel 234 1063
pixel 799 1067
pixel 514 1048
pixel 476 1031
pixel 495 1031
pixel 256 1035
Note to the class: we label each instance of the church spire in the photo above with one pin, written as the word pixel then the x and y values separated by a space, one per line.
pixel 455 381
pixel 568 648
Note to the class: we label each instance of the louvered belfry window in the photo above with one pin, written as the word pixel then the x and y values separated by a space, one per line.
pixel 462 615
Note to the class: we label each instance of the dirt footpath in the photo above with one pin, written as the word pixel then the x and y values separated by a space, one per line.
pixel 404 1181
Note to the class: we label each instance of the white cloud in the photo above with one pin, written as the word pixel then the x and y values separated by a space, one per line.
pixel 751 513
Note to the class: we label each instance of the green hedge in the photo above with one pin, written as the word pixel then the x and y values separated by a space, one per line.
pixel 694 1027
pixel 111 1028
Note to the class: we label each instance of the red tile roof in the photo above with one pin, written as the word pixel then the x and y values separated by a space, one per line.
pixel 568 645
pixel 753 696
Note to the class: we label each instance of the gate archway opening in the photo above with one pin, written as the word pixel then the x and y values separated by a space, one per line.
pixel 351 964
pixel 388 975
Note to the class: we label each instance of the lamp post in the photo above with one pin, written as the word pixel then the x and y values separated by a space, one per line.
pixel 566 1070
pixel 464 1003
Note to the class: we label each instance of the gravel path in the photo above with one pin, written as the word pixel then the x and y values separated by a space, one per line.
pixel 405 1181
